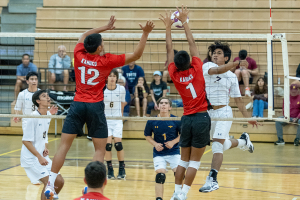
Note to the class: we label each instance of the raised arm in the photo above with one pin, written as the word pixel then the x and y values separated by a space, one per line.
pixel 168 23
pixel 109 26
pixel 138 52
pixel 183 16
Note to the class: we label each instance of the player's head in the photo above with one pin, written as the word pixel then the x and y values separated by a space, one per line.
pixel 95 175
pixel 122 81
pixel 41 99
pixel 260 86
pixel 164 104
pixel 25 59
pixel 93 44
pixel 156 76
pixel 182 60
pixel 221 52
pixel 61 50
pixel 175 52
pixel 113 77
pixel 243 54
pixel 32 78
pixel 294 90
pixel 142 81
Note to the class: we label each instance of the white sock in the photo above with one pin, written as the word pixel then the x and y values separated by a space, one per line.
pixel 241 143
pixel 52 178
pixel 178 188
pixel 186 188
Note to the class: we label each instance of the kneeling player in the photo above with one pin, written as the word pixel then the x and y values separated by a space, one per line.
pixel 34 153
pixel 114 100
pixel 165 142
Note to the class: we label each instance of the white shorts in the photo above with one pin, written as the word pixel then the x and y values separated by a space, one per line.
pixel 115 128
pixel 38 171
pixel 220 129
pixel 160 162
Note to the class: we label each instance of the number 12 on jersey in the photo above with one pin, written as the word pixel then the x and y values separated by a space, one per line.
pixel 89 71
pixel 192 89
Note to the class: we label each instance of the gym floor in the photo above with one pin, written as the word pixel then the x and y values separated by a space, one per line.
pixel 271 172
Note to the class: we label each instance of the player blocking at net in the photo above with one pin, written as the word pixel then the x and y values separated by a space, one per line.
pixel 92 67
pixel 189 81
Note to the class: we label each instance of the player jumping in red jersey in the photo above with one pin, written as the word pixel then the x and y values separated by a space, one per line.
pixel 92 67
pixel 189 81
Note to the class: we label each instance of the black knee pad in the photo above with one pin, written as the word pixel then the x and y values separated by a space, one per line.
pixel 160 178
pixel 119 146
pixel 108 146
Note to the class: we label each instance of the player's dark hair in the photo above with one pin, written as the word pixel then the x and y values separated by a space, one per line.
pixel 161 98
pixel 140 92
pixel 221 45
pixel 256 87
pixel 26 54
pixel 182 60
pixel 243 54
pixel 92 42
pixel 95 174
pixel 175 51
pixel 36 96
pixel 115 72
pixel 30 74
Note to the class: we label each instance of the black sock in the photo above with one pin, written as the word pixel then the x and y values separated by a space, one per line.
pixel 121 164
pixel 159 198
pixel 109 165
pixel 213 173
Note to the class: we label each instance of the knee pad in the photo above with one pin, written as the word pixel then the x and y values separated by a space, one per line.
pixel 217 147
pixel 160 178
pixel 119 146
pixel 227 144
pixel 183 164
pixel 108 146
pixel 194 164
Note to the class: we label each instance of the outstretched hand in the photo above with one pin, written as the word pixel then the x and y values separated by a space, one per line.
pixel 148 27
pixel 167 20
pixel 183 14
pixel 110 25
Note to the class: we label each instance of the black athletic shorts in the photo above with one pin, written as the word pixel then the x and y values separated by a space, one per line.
pixel 90 113
pixel 195 130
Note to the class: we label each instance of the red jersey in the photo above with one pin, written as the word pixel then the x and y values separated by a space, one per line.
pixel 91 72
pixel 92 196
pixel 191 86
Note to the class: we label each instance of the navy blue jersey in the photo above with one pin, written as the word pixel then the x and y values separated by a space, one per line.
pixel 164 131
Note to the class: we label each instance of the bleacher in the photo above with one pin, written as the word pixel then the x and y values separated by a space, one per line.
pixel 214 16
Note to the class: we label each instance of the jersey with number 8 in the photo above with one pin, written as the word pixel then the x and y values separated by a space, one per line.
pixel 91 72
pixel 191 86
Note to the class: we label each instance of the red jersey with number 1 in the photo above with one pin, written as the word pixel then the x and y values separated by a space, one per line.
pixel 191 86
pixel 91 72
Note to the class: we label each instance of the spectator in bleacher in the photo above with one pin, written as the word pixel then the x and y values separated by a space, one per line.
pixel 58 67
pixel 260 98
pixel 122 82
pixel 158 88
pixel 246 72
pixel 208 57
pixel 166 76
pixel 22 71
pixel 294 115
pixel 132 73
pixel 141 91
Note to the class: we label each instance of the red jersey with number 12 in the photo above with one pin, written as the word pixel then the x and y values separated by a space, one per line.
pixel 91 72
pixel 191 86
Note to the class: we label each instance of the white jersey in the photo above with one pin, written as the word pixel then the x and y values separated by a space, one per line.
pixel 219 87
pixel 36 131
pixel 24 102
pixel 113 101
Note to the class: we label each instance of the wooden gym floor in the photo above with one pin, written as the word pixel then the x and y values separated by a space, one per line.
pixel 271 172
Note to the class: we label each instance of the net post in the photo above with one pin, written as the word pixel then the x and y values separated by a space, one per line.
pixel 270 78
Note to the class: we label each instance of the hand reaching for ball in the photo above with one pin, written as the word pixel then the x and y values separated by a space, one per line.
pixel 182 14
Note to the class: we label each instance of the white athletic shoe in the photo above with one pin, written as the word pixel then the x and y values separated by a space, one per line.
pixel 180 196
pixel 55 196
pixel 249 146
pixel 210 185
pixel 248 93
pixel 49 192
pixel 174 195
pixel 89 138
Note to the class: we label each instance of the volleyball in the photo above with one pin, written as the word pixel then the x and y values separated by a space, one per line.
pixel 177 23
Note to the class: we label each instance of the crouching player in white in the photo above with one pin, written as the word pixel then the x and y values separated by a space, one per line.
pixel 34 153
pixel 165 142
pixel 114 100
pixel 220 84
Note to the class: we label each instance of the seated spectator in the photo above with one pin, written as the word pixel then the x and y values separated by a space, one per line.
pixel 22 71
pixel 208 57
pixel 122 81
pixel 58 67
pixel 158 88
pixel 294 115
pixel 246 72
pixel 95 178
pixel 260 98
pixel 141 91
pixel 132 73
pixel 166 76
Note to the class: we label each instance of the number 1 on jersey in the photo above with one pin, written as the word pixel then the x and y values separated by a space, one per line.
pixel 165 136
pixel 192 89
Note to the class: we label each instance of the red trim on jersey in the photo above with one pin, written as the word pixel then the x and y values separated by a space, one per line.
pixel 92 195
